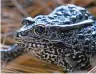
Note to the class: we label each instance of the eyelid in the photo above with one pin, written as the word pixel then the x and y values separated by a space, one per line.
pixel 28 22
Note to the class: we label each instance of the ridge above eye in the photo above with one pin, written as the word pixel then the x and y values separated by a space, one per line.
pixel 28 21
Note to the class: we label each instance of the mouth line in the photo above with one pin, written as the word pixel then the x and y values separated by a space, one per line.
pixel 33 43
pixel 24 39
pixel 29 45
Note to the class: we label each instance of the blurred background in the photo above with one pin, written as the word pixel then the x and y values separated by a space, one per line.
pixel 13 12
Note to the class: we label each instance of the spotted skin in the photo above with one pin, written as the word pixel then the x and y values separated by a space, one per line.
pixel 66 37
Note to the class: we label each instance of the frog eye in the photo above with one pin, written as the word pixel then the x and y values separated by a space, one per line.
pixel 40 29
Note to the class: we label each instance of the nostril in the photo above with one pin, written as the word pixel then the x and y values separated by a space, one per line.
pixel 23 33
pixel 17 34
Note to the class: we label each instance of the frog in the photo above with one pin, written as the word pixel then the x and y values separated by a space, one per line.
pixel 66 37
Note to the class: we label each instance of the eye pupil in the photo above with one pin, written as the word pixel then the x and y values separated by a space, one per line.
pixel 40 30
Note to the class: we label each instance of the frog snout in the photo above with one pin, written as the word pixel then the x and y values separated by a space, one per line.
pixel 21 34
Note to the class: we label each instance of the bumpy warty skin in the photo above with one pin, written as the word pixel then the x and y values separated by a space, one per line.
pixel 65 37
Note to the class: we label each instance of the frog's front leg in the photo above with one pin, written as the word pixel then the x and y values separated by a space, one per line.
pixel 78 60
pixel 11 53
pixel 82 60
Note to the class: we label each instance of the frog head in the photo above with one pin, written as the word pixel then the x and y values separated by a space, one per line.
pixel 55 26
pixel 31 31
pixel 37 31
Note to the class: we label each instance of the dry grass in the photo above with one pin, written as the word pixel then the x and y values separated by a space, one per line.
pixel 30 64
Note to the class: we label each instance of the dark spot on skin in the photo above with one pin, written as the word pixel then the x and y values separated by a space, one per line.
pixel 73 19
pixel 87 41
pixel 80 36
pixel 50 17
pixel 67 22
pixel 53 36
pixel 79 17
pixel 86 16
pixel 75 41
